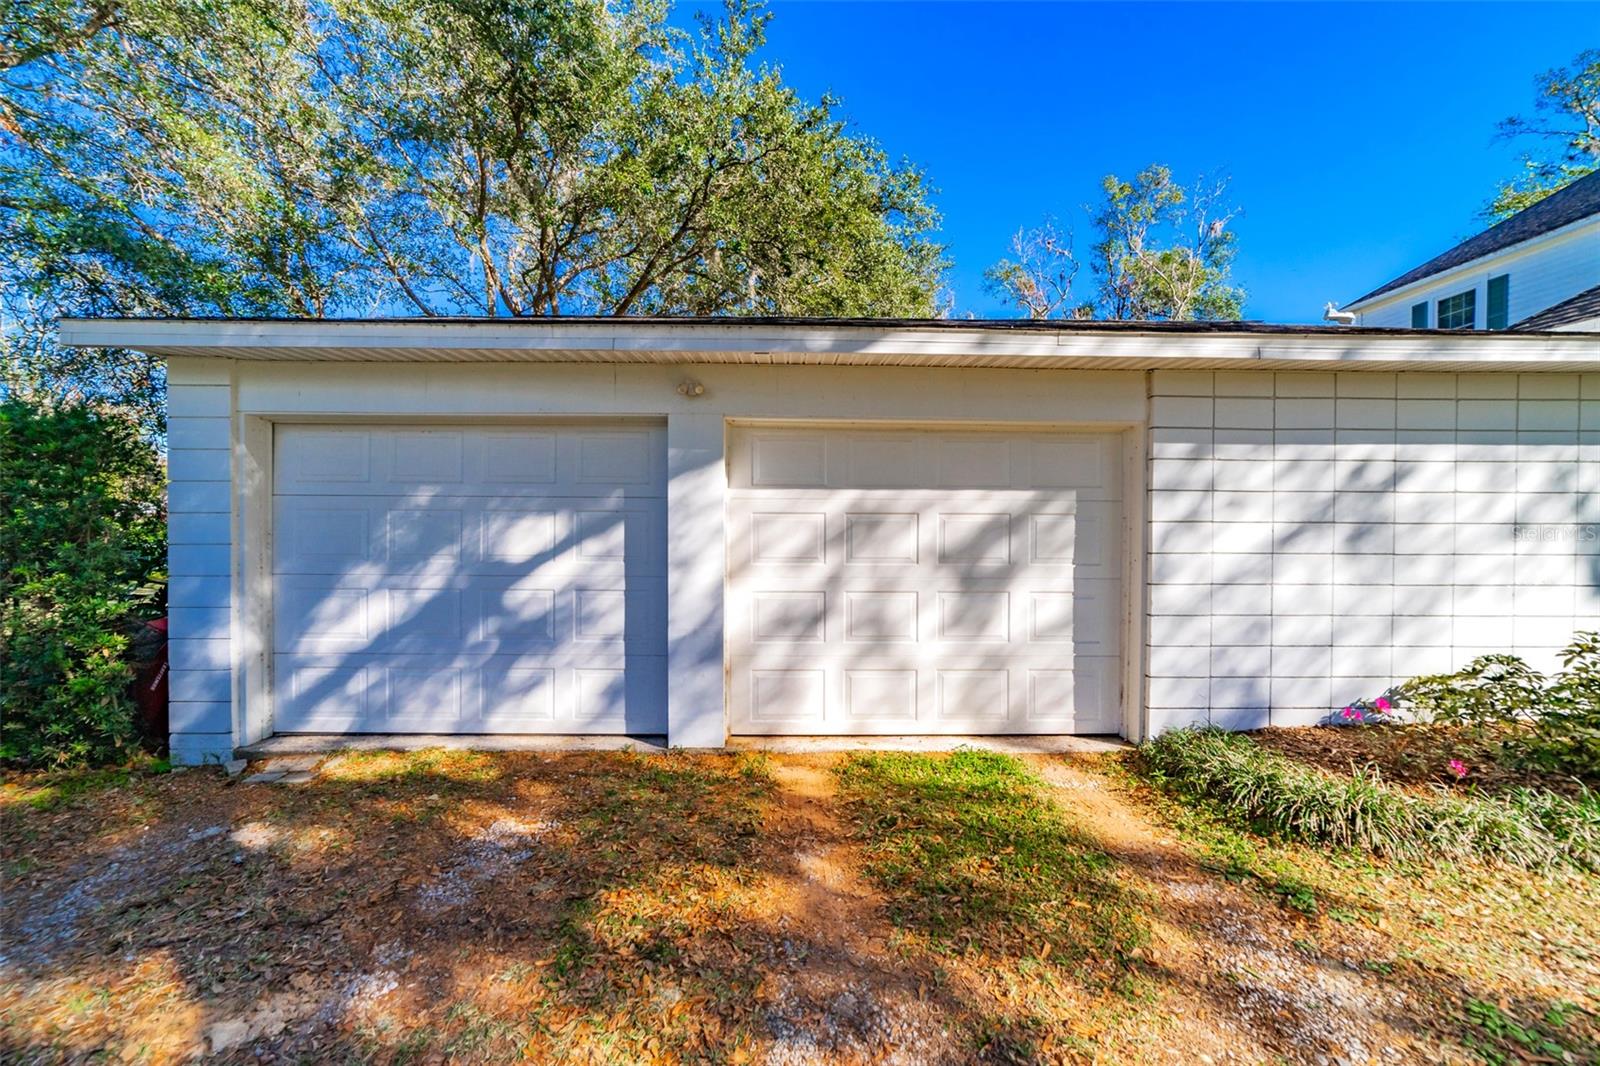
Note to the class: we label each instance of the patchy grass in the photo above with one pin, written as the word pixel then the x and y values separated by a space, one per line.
pixel 43 791
pixel 609 908
pixel 970 851
pixel 980 867
pixel 400 905
pixel 1498 965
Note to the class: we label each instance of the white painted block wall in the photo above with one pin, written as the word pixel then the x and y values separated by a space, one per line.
pixel 1318 536
pixel 199 559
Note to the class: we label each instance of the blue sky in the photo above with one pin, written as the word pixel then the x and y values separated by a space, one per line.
pixel 1359 136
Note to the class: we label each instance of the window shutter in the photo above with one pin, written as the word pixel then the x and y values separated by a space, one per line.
pixel 1499 302
pixel 1419 315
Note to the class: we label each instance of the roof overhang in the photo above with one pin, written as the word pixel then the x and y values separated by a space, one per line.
pixel 1008 343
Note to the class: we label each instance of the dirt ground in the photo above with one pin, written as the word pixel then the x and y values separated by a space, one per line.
pixel 445 906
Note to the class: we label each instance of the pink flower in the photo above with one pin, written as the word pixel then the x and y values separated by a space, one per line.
pixel 1458 768
pixel 1383 704
pixel 1352 714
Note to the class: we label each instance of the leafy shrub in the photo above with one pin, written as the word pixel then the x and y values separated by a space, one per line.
pixel 1559 718
pixel 82 527
pixel 1490 690
pixel 1298 802
pixel 1566 737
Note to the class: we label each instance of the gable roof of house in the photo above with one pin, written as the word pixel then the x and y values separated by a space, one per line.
pixel 1584 305
pixel 1576 201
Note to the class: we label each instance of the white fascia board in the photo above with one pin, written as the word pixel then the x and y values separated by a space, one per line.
pixel 836 344
pixel 1503 258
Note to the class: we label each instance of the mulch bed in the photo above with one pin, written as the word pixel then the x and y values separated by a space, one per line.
pixel 1415 757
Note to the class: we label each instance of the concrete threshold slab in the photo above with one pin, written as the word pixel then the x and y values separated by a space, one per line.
pixel 314 743
pixel 1012 745
pixel 323 743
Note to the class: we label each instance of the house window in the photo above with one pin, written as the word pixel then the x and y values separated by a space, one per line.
pixel 1419 315
pixel 1459 311
pixel 1499 310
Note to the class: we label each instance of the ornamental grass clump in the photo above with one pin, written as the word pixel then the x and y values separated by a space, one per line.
pixel 1572 822
pixel 1285 799
pixel 1297 802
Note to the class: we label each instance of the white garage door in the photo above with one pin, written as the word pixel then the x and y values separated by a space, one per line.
pixel 454 579
pixel 891 582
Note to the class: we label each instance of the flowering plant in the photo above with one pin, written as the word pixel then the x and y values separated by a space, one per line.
pixel 1370 712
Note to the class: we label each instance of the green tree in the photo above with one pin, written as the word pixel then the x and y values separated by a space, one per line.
pixel 1566 120
pixel 491 157
pixel 1161 251
pixel 81 529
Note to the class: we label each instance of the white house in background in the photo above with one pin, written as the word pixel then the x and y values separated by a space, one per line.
pixel 702 529
pixel 1537 270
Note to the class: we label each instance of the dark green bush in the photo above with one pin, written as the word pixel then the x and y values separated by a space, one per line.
pixel 82 528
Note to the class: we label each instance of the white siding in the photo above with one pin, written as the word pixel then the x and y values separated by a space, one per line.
pixel 1381 526
pixel 1544 272
pixel 199 556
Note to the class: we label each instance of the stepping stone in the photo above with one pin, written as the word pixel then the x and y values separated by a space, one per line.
pixel 266 777
pixel 235 767
pixel 296 777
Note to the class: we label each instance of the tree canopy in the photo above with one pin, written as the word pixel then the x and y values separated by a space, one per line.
pixel 1161 251
pixel 1565 123
pixel 488 157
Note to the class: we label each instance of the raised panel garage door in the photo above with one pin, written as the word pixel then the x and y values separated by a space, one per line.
pixel 893 582
pixel 455 579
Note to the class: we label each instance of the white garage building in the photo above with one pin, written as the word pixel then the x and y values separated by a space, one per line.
pixel 697 529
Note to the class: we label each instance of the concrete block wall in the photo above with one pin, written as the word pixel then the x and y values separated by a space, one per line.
pixel 1316 537
pixel 199 559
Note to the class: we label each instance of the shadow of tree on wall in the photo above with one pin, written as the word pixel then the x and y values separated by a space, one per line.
pixel 1378 554
pixel 520 620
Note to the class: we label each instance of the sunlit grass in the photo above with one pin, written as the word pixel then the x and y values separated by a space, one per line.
pixel 44 791
pixel 369 767
pixel 972 851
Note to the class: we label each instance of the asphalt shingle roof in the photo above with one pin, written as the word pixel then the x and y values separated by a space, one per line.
pixel 1576 201
pixel 1584 305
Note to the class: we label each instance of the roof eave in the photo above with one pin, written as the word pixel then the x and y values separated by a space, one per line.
pixel 886 343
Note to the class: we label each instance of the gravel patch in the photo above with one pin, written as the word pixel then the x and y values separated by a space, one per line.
pixel 491 853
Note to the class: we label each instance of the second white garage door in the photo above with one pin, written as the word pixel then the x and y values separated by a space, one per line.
pixel 469 579
pixel 893 582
